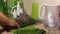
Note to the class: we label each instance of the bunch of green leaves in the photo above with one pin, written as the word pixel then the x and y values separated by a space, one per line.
pixel 28 30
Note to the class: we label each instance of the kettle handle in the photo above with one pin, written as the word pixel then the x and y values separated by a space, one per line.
pixel 41 10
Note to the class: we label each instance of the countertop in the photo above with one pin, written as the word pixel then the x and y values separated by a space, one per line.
pixel 38 25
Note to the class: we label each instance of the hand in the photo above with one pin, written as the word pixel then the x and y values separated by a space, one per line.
pixel 13 23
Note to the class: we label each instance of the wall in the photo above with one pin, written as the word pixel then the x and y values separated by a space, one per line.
pixel 28 6
pixel 53 2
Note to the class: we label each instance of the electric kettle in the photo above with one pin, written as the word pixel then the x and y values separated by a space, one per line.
pixel 51 18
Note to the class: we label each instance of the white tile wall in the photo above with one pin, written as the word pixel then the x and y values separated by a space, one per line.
pixel 28 6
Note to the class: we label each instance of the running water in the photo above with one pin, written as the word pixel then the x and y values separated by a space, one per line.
pixel 19 9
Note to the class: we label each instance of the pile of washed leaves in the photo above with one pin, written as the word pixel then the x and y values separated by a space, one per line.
pixel 28 30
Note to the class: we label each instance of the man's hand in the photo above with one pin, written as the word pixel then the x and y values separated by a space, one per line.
pixel 13 23
pixel 5 20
